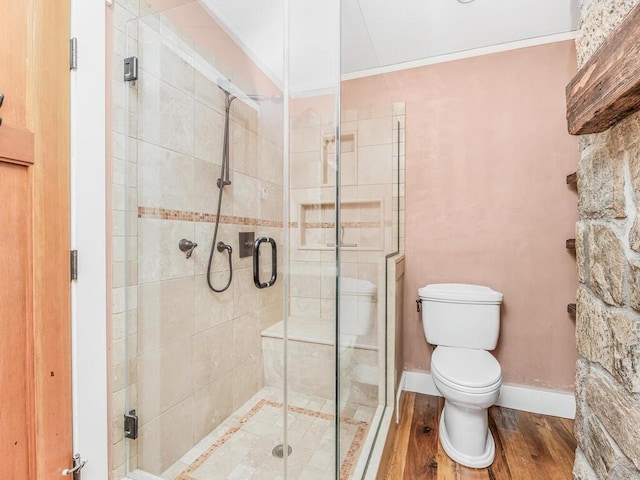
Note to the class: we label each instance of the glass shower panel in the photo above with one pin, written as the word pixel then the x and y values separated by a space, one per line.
pixel 310 339
pixel 370 135
pixel 204 143
pixel 369 236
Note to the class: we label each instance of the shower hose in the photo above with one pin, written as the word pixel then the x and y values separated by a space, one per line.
pixel 222 182
pixel 220 247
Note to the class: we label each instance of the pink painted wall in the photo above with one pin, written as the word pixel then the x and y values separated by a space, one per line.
pixel 486 199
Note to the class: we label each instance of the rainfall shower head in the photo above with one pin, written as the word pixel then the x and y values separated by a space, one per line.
pixel 265 98
pixel 228 87
pixel 233 92
pixel 225 85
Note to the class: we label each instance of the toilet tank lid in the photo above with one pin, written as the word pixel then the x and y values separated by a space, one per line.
pixel 356 286
pixel 460 293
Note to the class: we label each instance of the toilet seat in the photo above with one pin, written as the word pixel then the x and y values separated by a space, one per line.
pixel 466 370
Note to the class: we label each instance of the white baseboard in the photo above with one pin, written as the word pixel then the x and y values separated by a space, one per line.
pixel 398 395
pixel 518 397
pixel 420 382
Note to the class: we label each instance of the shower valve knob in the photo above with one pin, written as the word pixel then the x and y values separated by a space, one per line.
pixel 187 246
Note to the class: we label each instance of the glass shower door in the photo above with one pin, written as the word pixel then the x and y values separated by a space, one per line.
pixel 203 147
pixel 313 112
pixel 237 155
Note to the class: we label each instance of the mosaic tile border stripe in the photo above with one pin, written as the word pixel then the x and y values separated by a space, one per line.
pixel 200 217
pixel 345 467
pixel 343 224
pixel 165 214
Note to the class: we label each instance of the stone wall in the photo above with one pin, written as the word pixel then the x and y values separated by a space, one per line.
pixel 607 424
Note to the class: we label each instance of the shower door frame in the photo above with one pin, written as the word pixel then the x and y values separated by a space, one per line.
pixel 90 295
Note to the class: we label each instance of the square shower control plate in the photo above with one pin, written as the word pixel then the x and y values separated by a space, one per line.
pixel 246 243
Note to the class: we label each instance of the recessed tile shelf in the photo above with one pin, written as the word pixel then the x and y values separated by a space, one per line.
pixel 348 159
pixel 362 223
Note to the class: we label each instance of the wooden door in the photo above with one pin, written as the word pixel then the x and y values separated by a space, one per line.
pixel 35 337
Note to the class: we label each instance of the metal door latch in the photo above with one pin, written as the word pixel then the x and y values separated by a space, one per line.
pixel 78 465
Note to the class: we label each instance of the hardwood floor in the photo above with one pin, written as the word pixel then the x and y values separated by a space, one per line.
pixel 528 446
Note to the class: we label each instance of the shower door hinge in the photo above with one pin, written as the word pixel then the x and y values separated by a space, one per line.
pixel 131 69
pixel 74 264
pixel 131 425
pixel 73 54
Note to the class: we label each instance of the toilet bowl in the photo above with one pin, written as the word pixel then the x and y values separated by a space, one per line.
pixel 463 321
pixel 470 382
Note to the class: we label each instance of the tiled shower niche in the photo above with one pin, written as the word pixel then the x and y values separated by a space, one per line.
pixel 372 201
pixel 362 226
pixel 348 160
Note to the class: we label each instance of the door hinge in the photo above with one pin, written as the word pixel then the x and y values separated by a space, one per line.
pixel 76 470
pixel 73 54
pixel 74 264
pixel 131 69
pixel 131 425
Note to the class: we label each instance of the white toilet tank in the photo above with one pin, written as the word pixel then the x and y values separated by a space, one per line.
pixel 356 306
pixel 460 315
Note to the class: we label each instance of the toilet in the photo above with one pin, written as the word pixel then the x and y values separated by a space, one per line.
pixel 463 322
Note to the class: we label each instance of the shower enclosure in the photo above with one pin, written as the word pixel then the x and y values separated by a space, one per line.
pixel 258 211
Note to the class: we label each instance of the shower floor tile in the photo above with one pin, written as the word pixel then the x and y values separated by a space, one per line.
pixel 240 448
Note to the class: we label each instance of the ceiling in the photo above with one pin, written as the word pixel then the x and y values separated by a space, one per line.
pixel 378 33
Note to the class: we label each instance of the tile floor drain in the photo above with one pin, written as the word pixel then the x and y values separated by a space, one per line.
pixel 278 451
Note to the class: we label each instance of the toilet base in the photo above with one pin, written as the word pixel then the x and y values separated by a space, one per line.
pixel 480 461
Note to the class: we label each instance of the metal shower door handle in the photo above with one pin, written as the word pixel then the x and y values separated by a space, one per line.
pixel 256 262
pixel 78 465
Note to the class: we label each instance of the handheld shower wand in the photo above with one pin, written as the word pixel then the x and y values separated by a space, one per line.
pixel 224 171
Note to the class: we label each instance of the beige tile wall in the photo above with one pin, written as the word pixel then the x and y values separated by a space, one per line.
pixel 373 158
pixel 194 355
pixel 368 178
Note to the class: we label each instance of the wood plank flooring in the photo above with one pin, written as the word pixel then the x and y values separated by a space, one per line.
pixel 528 446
